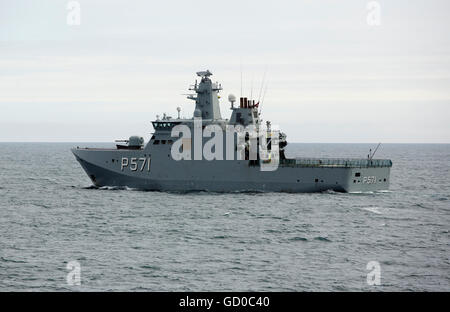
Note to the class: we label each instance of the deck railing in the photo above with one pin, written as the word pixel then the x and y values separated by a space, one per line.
pixel 336 162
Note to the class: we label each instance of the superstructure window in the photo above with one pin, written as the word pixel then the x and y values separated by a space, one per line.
pixel 163 141
pixel 164 125
pixel 156 142
pixel 358 174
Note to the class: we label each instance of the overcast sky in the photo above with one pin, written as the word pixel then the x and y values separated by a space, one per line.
pixel 332 77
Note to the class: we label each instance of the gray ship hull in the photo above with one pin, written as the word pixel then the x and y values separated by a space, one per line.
pixel 206 152
pixel 104 167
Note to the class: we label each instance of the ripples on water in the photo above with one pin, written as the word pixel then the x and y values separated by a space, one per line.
pixel 134 240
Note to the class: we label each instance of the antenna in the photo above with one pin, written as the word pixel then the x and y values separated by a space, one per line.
pixel 251 89
pixel 264 94
pixel 262 83
pixel 178 110
pixel 262 101
pixel 241 75
pixel 373 154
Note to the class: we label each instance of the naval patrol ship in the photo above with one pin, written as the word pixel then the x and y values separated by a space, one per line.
pixel 184 155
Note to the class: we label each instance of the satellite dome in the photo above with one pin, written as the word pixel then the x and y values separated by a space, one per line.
pixel 232 98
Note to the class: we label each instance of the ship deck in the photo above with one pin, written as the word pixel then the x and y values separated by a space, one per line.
pixel 336 162
pixel 106 149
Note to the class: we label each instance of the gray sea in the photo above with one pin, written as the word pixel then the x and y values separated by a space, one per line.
pixel 129 240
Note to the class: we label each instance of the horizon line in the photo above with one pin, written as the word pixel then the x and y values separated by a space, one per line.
pixel 112 142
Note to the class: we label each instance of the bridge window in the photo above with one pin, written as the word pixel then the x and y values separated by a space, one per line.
pixel 156 142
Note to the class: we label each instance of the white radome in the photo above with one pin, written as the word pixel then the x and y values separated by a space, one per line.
pixel 232 98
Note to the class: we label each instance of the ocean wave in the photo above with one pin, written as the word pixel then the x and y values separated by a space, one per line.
pixel 376 210
pixel 322 239
pixel 298 238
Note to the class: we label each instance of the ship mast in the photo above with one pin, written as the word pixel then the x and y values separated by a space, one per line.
pixel 207 98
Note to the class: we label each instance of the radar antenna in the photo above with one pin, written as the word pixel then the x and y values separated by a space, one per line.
pixel 205 73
